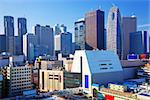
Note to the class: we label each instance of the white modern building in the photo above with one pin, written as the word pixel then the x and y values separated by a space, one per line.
pixel 100 67
pixel 114 41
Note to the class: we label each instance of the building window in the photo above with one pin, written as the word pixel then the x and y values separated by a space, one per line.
pixel 42 80
pixel 86 81
pixel 81 27
pixel 113 16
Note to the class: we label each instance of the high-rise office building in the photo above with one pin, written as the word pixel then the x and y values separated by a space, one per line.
pixel 57 29
pixel 11 46
pixel 63 28
pixel 22 29
pixel 114 41
pixel 9 32
pixel 2 43
pixel 63 43
pixel 29 46
pixel 139 42
pixel 79 34
pixel 129 24
pixel 45 39
pixel 17 46
pixel 94 29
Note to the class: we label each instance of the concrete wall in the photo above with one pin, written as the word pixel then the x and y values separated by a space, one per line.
pixel 104 78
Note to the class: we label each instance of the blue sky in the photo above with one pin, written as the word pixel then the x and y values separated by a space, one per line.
pixel 67 12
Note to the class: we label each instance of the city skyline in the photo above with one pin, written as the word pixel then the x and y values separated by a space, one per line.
pixel 51 12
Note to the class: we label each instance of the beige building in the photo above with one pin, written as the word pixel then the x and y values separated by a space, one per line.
pixel 19 79
pixel 51 80
pixel 44 64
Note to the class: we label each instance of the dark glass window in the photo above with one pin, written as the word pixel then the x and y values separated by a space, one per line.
pixel 113 16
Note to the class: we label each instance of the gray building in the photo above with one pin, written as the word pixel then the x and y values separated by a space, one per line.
pixel 22 29
pixel 57 29
pixel 11 44
pixel 45 39
pixel 9 32
pixel 114 41
pixel 129 24
pixel 29 46
pixel 139 42
pixel 79 34
pixel 63 43
pixel 17 45
pixel 2 43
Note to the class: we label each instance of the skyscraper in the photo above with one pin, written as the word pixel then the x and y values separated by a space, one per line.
pixel 79 34
pixel 29 47
pixel 57 29
pixel 114 41
pixel 63 43
pixel 9 32
pixel 2 43
pixel 22 29
pixel 94 29
pixel 17 45
pixel 139 42
pixel 63 28
pixel 129 24
pixel 45 39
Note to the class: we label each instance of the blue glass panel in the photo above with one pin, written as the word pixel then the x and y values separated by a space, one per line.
pixel 86 81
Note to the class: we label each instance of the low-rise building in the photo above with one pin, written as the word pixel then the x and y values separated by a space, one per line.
pixel 19 79
pixel 51 80
pixel 144 72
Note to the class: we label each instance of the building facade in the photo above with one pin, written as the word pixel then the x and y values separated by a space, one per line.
pixel 45 39
pixel 2 43
pixel 139 42
pixel 97 67
pixel 29 47
pixel 63 43
pixel 129 24
pixel 22 29
pixel 19 79
pixel 9 32
pixel 79 34
pixel 114 35
pixel 94 30
pixel 57 29
pixel 51 80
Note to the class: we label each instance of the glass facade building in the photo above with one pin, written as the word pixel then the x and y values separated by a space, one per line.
pixel 139 42
pixel 45 39
pixel 9 32
pixel 22 29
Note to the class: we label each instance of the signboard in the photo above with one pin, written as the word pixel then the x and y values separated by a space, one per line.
pixel 132 57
